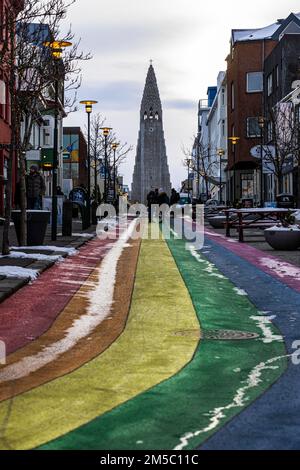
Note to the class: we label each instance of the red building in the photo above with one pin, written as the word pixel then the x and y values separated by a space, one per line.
pixel 6 7
pixel 245 79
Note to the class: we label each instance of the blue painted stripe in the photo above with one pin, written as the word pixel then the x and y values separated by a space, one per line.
pixel 271 422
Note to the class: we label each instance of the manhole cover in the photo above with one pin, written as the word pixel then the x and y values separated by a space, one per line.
pixel 228 335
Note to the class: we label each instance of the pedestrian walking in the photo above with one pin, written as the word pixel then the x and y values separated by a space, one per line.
pixel 175 197
pixel 151 200
pixel 35 189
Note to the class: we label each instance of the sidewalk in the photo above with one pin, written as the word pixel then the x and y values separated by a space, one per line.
pixel 256 239
pixel 25 264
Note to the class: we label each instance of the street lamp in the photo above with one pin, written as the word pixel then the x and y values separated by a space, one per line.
pixel 221 153
pixel 114 146
pixel 261 123
pixel 88 109
pixel 106 131
pixel 56 48
pixel 234 140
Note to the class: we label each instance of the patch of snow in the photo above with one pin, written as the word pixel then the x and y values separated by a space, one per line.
pixel 239 400
pixel 35 256
pixel 280 228
pixel 281 268
pixel 265 323
pixel 20 273
pixel 100 300
pixel 241 292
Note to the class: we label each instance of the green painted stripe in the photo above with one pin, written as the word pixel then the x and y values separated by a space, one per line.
pixel 209 391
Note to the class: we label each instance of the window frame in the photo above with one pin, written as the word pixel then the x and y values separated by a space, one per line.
pixel 248 74
pixel 248 127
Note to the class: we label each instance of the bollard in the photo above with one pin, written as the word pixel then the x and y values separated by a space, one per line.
pixel 67 218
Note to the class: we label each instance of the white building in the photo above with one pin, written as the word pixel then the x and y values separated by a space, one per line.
pixel 217 139
pixel 211 138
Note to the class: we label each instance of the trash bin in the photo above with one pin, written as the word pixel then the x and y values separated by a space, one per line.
pixel 285 201
pixel 37 222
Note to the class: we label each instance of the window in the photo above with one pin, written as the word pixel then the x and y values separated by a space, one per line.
pixel 223 97
pixel 270 84
pixel 232 96
pixel 254 82
pixel 253 129
pixel 223 128
pixel 247 185
pixel 46 137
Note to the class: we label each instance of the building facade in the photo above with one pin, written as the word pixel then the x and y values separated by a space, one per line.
pixel 75 171
pixel 247 86
pixel 7 7
pixel 281 72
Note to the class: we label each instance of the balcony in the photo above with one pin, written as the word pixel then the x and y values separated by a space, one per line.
pixel 203 104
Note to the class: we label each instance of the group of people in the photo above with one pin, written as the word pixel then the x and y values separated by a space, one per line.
pixel 158 198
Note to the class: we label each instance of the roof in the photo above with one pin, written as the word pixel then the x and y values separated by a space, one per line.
pixel 268 32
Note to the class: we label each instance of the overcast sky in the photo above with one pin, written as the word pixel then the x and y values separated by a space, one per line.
pixel 188 42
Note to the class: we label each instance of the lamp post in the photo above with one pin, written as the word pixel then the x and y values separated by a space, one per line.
pixel 188 162
pixel 88 109
pixel 261 123
pixel 221 153
pixel 56 48
pixel 106 131
pixel 234 140
pixel 114 146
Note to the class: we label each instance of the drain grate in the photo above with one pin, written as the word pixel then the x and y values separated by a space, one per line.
pixel 228 335
pixel 218 335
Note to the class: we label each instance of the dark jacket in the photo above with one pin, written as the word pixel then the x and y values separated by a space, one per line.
pixel 35 185
pixel 163 199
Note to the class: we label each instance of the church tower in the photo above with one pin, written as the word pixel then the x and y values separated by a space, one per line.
pixel 151 165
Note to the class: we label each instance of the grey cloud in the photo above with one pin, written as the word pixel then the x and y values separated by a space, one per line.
pixel 117 95
pixel 180 104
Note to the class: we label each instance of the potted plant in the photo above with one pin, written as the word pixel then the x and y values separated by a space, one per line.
pixel 37 221
pixel 284 236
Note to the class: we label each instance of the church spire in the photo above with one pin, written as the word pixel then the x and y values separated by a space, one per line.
pixel 151 99
pixel 151 168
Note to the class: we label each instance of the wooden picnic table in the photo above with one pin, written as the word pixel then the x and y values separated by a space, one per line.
pixel 262 218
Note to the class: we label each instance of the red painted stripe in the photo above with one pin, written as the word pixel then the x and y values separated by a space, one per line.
pixel 289 273
pixel 32 310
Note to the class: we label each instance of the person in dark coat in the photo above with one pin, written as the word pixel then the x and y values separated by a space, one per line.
pixel 35 189
pixel 175 197
pixel 151 199
pixel 163 198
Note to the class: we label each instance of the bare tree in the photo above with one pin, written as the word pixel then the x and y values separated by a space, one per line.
pixel 33 71
pixel 284 148
pixel 98 147
pixel 201 162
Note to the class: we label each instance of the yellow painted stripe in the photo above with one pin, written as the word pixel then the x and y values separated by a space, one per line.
pixel 148 352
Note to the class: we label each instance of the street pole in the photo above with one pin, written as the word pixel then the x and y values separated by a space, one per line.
pixel 89 109
pixel 106 131
pixel 55 163
pixel 234 140
pixel 198 169
pixel 261 123
pixel 89 172
pixel 56 48
pixel 105 167
pixel 95 177
pixel 115 145
pixel 114 174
